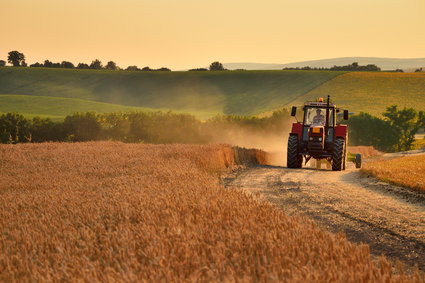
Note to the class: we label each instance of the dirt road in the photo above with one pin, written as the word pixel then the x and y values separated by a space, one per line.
pixel 388 218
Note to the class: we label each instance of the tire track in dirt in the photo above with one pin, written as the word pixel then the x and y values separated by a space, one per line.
pixel 390 219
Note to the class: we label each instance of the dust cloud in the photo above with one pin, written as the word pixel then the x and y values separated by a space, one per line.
pixel 274 143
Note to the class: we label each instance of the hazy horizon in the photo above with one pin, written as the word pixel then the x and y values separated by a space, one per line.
pixel 190 34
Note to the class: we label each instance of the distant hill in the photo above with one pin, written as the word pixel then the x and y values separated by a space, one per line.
pixel 59 92
pixel 203 94
pixel 383 63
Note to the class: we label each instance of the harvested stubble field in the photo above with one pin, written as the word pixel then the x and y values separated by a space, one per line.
pixel 106 211
pixel 406 171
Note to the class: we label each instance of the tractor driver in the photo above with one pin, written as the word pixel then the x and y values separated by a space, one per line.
pixel 319 118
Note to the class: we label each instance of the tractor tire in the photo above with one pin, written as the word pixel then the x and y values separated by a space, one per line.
pixel 338 157
pixel 293 160
pixel 358 160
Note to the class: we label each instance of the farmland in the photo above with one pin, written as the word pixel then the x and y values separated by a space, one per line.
pixel 204 94
pixel 372 92
pixel 406 171
pixel 57 107
pixel 158 213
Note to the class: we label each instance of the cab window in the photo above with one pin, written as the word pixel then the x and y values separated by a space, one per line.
pixel 317 116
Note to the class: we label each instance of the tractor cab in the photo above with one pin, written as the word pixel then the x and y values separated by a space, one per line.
pixel 318 126
pixel 318 136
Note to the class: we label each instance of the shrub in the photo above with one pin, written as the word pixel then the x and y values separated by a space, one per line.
pixel 366 129
pixel 14 128
pixel 82 127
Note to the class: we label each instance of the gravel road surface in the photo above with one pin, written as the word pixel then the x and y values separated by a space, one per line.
pixel 390 219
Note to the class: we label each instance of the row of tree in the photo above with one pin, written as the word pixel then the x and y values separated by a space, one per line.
pixel 95 64
pixel 351 67
pixel 148 127
pixel 131 127
pixel 394 132
pixel 17 59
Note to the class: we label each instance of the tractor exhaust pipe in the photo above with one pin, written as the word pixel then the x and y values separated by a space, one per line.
pixel 327 118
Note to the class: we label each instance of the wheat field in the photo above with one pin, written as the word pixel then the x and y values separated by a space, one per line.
pixel 406 171
pixel 108 211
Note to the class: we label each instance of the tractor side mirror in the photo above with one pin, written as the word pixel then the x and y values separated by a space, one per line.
pixel 345 114
pixel 293 111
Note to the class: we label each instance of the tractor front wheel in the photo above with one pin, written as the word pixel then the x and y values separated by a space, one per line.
pixel 293 160
pixel 338 155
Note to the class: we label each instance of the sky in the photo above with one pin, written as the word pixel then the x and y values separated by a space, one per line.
pixel 182 34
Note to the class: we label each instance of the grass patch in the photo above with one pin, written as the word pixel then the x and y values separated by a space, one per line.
pixel 57 107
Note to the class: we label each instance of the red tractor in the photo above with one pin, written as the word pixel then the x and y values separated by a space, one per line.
pixel 318 136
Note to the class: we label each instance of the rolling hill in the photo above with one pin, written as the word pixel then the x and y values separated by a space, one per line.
pixel 372 92
pixel 201 93
pixel 383 63
pixel 59 92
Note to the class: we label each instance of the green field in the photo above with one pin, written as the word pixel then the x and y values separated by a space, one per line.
pixel 201 93
pixel 372 92
pixel 59 92
pixel 57 107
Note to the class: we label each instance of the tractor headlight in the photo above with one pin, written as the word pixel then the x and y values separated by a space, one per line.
pixel 320 139
pixel 311 138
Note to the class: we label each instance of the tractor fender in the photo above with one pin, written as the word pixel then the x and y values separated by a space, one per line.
pixel 341 131
pixel 297 130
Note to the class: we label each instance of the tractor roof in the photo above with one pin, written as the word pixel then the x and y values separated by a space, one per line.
pixel 318 104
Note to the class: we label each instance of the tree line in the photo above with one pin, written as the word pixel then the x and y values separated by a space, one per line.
pixel 17 59
pixel 350 67
pixel 147 127
pixel 394 132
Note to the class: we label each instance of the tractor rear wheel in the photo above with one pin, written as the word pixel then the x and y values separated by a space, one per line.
pixel 338 155
pixel 293 160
